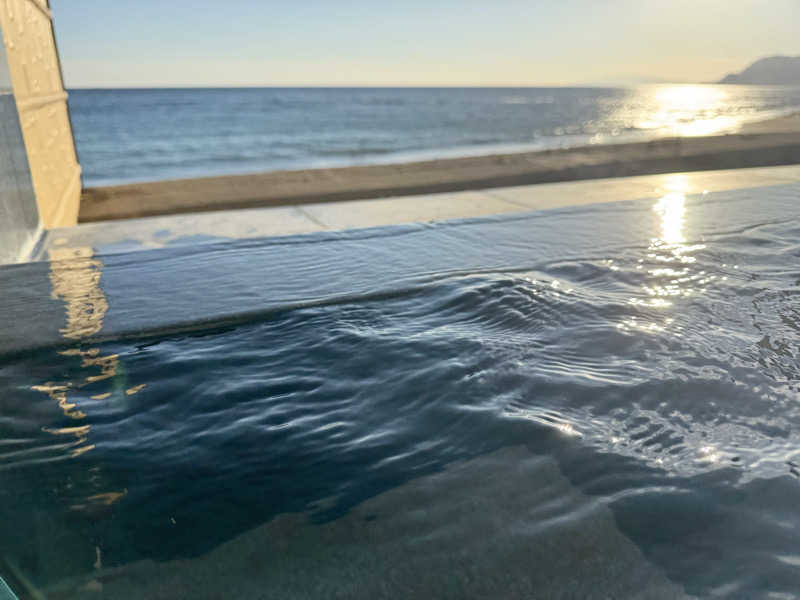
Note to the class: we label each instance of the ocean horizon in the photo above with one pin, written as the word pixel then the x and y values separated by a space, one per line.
pixel 127 135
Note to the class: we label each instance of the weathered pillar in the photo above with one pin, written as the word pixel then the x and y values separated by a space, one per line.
pixel 41 101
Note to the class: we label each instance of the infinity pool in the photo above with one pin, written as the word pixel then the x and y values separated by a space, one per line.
pixel 598 401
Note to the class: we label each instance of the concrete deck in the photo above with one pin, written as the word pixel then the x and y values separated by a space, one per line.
pixel 154 232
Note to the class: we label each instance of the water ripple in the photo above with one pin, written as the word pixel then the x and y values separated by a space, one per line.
pixel 659 377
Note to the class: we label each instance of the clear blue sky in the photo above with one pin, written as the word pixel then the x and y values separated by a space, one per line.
pixel 111 43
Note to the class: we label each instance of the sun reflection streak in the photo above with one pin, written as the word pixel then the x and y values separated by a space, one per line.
pixel 671 245
pixel 668 262
pixel 672 209
pixel 689 110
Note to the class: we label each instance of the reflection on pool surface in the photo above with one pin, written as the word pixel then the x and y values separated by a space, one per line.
pixel 596 401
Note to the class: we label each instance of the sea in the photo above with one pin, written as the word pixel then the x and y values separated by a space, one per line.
pixel 132 135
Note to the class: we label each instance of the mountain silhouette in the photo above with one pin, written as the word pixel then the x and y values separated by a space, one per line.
pixel 773 70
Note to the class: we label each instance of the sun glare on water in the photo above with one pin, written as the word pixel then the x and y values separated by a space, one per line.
pixel 689 110
pixel 672 209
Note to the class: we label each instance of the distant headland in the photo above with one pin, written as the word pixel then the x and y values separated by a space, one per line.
pixel 773 70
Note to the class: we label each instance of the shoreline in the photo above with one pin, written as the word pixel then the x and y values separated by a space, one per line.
pixel 773 142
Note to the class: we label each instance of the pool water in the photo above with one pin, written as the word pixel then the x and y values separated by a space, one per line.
pixel 597 401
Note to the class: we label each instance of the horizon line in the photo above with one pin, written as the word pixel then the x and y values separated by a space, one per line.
pixel 380 86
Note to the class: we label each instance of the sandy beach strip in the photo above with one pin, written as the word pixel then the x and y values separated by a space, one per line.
pixel 769 143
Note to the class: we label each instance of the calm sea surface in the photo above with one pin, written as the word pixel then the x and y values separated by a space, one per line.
pixel 142 135
pixel 592 402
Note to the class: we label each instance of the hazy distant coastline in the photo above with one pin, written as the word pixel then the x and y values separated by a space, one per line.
pixel 772 70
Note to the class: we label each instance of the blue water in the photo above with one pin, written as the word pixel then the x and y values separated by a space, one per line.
pixel 140 135
pixel 597 400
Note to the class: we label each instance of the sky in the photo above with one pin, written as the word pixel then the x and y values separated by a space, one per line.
pixel 416 42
